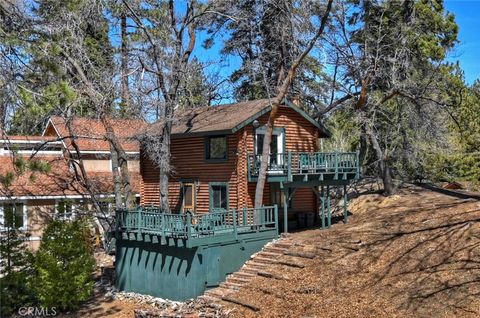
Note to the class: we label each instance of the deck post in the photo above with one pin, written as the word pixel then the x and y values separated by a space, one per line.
pixel 235 231
pixel 329 209
pixel 345 205
pixel 245 221
pixel 162 227
pixel 285 210
pixel 139 218
pixel 276 217
pixel 322 200
pixel 189 226
pixel 289 166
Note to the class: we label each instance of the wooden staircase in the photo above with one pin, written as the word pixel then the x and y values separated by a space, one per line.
pixel 257 263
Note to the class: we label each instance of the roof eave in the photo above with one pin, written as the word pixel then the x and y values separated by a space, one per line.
pixel 251 119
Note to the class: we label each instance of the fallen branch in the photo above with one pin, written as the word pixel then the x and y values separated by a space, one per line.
pixel 241 303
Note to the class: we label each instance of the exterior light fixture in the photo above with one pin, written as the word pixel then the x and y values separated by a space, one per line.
pixel 256 124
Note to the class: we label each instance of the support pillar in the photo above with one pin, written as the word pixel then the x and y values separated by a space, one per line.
pixel 285 210
pixel 345 205
pixel 329 209
pixel 322 202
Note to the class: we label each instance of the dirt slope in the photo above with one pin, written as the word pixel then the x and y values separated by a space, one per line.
pixel 416 254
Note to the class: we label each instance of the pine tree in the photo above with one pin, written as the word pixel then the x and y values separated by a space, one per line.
pixel 64 265
pixel 15 270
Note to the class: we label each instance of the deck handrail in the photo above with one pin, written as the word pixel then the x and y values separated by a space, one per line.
pixel 148 220
pixel 300 163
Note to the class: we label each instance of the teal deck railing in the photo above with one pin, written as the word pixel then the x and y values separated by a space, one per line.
pixel 148 220
pixel 336 164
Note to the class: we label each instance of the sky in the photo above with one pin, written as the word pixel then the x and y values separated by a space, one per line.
pixel 467 16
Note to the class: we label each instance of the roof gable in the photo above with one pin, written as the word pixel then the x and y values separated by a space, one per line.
pixel 226 119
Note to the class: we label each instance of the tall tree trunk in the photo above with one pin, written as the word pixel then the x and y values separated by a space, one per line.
pixel 165 168
pixel 363 149
pixel 384 168
pixel 117 181
pixel 282 91
pixel 125 90
pixel 121 161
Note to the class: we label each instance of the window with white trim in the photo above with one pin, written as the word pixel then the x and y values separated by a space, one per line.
pixel 13 215
pixel 64 210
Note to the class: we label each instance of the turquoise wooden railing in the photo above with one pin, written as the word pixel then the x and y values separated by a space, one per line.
pixel 147 220
pixel 300 163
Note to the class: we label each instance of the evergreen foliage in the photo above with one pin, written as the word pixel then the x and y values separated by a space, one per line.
pixel 64 265
pixel 15 270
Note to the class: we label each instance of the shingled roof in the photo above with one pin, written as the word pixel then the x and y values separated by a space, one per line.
pixel 90 133
pixel 59 182
pixel 227 118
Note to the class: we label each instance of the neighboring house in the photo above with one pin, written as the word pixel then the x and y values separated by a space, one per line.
pixel 213 228
pixel 33 198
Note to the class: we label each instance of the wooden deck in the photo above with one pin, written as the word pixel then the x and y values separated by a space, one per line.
pixel 196 230
pixel 319 167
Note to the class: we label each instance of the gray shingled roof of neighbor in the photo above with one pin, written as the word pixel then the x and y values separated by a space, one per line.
pixel 225 119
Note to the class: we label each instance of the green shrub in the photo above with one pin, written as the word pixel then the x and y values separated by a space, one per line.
pixel 64 265
pixel 15 270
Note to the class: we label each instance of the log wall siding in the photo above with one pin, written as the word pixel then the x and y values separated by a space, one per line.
pixel 188 160
pixel 189 163
pixel 300 136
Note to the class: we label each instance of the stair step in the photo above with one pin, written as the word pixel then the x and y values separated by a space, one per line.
pixel 262 260
pixel 232 286
pixel 237 280
pixel 267 255
pixel 275 250
pixel 241 273
pixel 251 270
pixel 283 245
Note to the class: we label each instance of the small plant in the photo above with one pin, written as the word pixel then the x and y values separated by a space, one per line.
pixel 64 265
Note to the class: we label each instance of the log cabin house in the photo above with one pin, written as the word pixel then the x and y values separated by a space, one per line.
pixel 211 229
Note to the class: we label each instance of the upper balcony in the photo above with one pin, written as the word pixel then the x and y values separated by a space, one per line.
pixel 318 167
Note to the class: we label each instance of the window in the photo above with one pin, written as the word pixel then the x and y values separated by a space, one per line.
pixel 14 215
pixel 64 210
pixel 276 145
pixel 188 193
pixel 277 195
pixel 216 148
pixel 218 196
